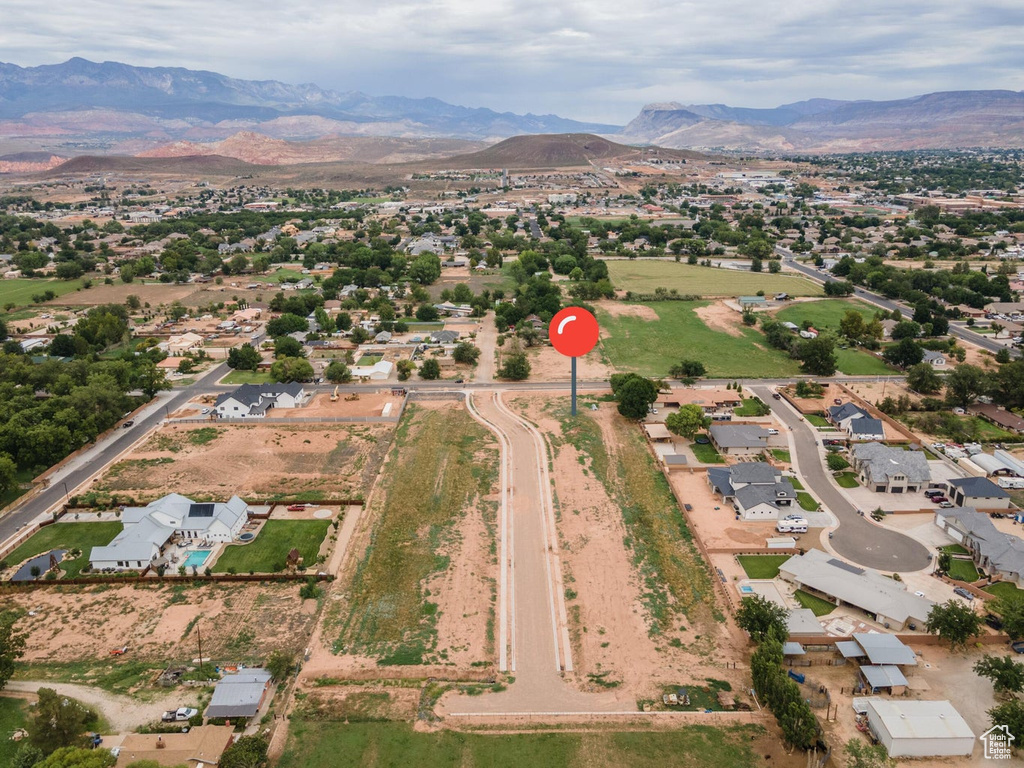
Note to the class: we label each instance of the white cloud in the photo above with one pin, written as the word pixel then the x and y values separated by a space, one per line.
pixel 599 59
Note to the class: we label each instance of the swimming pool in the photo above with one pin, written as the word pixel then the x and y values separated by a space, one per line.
pixel 196 558
pixel 746 590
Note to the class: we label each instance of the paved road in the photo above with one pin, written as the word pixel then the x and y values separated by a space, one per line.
pixel 959 331
pixel 857 538
pixel 535 230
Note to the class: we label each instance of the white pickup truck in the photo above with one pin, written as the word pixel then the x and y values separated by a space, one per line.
pixel 180 714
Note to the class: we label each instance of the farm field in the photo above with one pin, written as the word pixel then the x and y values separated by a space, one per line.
pixel 633 340
pixel 314 744
pixel 69 536
pixel 825 313
pixel 857 362
pixel 423 591
pixel 21 290
pixel 268 552
pixel 643 276
pixel 270 461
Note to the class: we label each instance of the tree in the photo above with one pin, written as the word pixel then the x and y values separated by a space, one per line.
pixel 761 618
pixel 12 644
pixel 923 378
pixel 430 369
pixel 247 752
pixel 59 721
pixel 186 365
pixel 860 754
pixel 818 355
pixel 427 313
pixel 466 353
pixel 852 325
pixel 280 664
pixel 905 354
pixel 289 369
pixel 1011 714
pixel 688 421
pixel 150 379
pixel 27 756
pixel 78 757
pixel 954 622
pixel 515 367
pixel 687 369
pixel 905 329
pixel 635 396
pixel 285 324
pixel 338 373
pixel 426 269
pixel 1007 675
pixel 835 462
pixel 286 346
pixel 405 367
pixel 244 358
pixel 1003 356
pixel 1012 613
pixel 964 385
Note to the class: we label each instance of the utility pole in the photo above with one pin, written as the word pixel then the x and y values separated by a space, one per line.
pixel 199 637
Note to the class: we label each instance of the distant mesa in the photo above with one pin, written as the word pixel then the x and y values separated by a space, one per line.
pixel 29 162
pixel 214 165
pixel 549 151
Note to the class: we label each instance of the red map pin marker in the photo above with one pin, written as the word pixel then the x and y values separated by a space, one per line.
pixel 573 331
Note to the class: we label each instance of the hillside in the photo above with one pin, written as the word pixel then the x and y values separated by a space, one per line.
pixel 550 151
pixel 213 165
pixel 936 120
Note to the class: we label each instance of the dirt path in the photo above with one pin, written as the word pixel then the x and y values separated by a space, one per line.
pixel 122 712
pixel 537 628
pixel 487 341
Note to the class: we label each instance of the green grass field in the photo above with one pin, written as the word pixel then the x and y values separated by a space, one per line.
pixel 246 377
pixel 651 348
pixel 762 566
pixel 83 536
pixel 13 715
pixel 819 606
pixel 645 276
pixel 847 480
pixel 963 570
pixel 315 744
pixel 369 359
pixel 806 501
pixel 752 406
pixel 825 313
pixel 279 276
pixel 706 453
pixel 816 420
pixel 1005 590
pixel 781 454
pixel 857 362
pixel 955 549
pixel 20 291
pixel 268 552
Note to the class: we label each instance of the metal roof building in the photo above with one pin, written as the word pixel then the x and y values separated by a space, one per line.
pixel 919 728
pixel 239 695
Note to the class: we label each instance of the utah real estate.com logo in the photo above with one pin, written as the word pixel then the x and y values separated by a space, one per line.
pixel 997 742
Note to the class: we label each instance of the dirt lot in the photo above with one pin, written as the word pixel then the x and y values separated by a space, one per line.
pixel 546 364
pixel 367 404
pixel 612 633
pixel 239 623
pixel 153 293
pixel 717 528
pixel 317 461
pixel 719 317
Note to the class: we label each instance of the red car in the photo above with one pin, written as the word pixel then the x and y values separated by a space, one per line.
pixel 296 507
pixel 938 499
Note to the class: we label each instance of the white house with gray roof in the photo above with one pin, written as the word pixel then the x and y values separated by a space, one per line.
pixel 757 490
pixel 738 439
pixel 865 428
pixel 148 529
pixel 252 401
pixel 999 554
pixel 883 469
pixel 977 492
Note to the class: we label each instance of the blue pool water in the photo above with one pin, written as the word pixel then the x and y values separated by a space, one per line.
pixel 196 558
pixel 745 590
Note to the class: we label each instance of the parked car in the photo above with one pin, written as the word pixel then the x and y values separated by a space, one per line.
pixel 993 621
pixel 1018 647
pixel 932 492
pixel 963 593
pixel 773 431
pixel 946 504
pixel 179 715
pixel 205 411
pixel 938 499
pixel 119 651
pixel 127 424
pixel 776 396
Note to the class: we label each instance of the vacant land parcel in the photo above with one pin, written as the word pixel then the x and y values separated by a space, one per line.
pixel 423 592
pixel 644 276
pixel 330 461
pixel 652 342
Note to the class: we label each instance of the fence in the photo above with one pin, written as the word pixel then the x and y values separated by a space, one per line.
pixel 167 579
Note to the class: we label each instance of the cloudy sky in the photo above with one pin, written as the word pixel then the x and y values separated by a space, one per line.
pixel 587 59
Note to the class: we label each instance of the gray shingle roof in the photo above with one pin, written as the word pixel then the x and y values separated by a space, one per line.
pixel 880 462
pixel 753 472
pixel 866 426
pixel 739 435
pixel 1003 551
pixel 845 411
pixel 979 487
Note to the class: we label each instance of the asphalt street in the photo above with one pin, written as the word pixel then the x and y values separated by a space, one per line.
pixel 858 539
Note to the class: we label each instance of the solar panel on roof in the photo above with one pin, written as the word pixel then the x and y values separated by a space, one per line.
pixel 846 566
pixel 200 510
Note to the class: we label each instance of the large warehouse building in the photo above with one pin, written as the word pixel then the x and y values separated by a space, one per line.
pixel 919 728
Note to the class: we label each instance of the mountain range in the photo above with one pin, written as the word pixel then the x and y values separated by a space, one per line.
pixel 943 120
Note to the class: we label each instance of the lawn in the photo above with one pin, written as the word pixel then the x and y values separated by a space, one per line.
pixel 278 276
pixel 268 552
pixel 319 744
pixel 752 406
pixel 816 420
pixel 847 480
pixel 706 453
pixel 857 362
pixel 955 549
pixel 246 377
pixel 1005 590
pixel 806 502
pixel 963 570
pixel 688 279
pixel 781 454
pixel 83 536
pixel 819 606
pixel 370 359
pixel 762 566
pixel 825 313
pixel 13 715
pixel 652 348
pixel 21 290
pixel 442 463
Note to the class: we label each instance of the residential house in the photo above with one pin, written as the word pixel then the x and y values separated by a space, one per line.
pixel 890 470
pixel 443 337
pixel 935 359
pixel 998 416
pixel 738 439
pixel 712 400
pixel 977 492
pixel 147 530
pixel 839 415
pixel 379 371
pixel 239 696
pixel 756 489
pixel 1000 554
pixel 185 342
pixel 865 429
pixel 197 747
pixel 454 310
pixel 251 401
pixel 887 601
